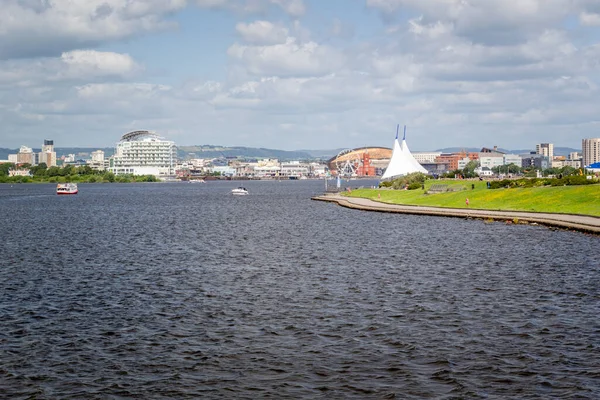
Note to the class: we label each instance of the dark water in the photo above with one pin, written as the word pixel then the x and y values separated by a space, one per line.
pixel 185 291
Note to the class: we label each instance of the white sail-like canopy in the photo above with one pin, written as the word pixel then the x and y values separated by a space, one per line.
pixel 411 159
pixel 402 161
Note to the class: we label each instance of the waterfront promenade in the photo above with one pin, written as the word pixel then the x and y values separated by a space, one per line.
pixel 566 221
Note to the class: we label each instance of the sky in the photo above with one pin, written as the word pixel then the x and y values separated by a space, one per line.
pixel 300 74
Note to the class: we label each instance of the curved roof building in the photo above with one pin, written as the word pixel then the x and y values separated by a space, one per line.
pixel 144 153
pixel 379 157
pixel 139 136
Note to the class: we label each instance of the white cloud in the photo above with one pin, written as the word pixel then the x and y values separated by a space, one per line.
pixel 590 19
pixel 449 72
pixel 294 8
pixel 262 32
pixel 77 65
pixel 91 62
pixel 29 29
pixel 287 59
pixel 491 22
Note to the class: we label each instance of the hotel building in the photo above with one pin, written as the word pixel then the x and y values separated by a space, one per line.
pixel 144 153
pixel 26 156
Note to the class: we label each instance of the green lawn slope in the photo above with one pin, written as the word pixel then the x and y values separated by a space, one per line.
pixel 583 200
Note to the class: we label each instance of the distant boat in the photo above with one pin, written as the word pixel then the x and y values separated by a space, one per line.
pixel 239 191
pixel 66 188
pixel 197 181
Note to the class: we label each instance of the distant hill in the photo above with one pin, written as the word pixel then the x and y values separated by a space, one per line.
pixel 323 154
pixel 210 151
pixel 203 151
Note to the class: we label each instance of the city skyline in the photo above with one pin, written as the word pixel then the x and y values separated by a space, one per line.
pixel 301 74
pixel 532 148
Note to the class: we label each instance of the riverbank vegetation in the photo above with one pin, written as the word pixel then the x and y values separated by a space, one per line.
pixel 580 199
pixel 69 173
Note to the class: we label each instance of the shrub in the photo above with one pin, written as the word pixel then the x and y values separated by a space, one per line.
pixel 408 180
pixel 537 182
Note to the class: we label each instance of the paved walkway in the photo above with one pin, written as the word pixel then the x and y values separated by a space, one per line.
pixel 576 222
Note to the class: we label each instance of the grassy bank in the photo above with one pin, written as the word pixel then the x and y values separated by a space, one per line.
pixel 583 200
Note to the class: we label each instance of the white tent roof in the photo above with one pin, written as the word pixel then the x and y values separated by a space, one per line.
pixel 411 159
pixel 402 161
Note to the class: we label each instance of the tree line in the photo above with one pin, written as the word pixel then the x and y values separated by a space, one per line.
pixel 67 173
pixel 511 169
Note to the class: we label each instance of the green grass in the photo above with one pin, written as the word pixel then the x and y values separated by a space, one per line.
pixel 584 200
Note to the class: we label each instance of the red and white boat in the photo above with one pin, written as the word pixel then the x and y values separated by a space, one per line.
pixel 66 188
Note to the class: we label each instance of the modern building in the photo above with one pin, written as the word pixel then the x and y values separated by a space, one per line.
pixel 437 168
pixel 144 153
pixel 491 161
pixel 455 160
pixel 512 159
pixel 294 169
pixel 47 155
pixel 591 151
pixel 97 160
pixel 545 149
pixel 538 161
pixel 573 160
pixel 426 157
pixel 224 170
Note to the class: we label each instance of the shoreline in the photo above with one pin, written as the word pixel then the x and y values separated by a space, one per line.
pixel 582 223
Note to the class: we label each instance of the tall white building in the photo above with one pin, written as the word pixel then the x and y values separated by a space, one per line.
pixel 97 160
pixel 98 156
pixel 426 157
pixel 545 149
pixel 591 151
pixel 144 153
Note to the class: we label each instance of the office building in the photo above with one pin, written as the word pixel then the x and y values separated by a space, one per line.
pixel 47 155
pixel 591 151
pixel 545 149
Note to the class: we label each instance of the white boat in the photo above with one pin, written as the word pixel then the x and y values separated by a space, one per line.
pixel 239 191
pixel 66 188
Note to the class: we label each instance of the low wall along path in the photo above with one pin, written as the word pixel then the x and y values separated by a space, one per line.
pixel 581 223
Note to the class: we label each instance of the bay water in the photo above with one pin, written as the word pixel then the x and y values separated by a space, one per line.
pixel 181 291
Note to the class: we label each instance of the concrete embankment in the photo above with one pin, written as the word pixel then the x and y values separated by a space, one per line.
pixel 566 221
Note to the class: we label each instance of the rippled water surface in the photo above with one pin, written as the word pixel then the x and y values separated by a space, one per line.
pixel 185 291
